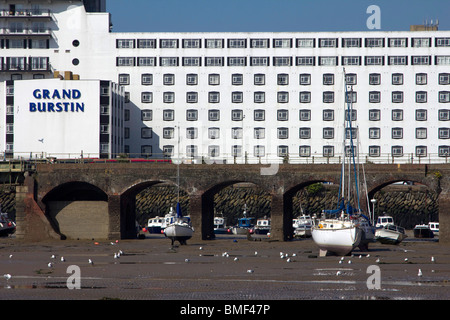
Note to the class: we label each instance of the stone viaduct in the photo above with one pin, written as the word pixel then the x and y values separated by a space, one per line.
pixel 97 200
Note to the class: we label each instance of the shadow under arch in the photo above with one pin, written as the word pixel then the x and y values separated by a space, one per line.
pixel 66 195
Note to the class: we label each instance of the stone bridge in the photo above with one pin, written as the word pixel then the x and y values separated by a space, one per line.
pixel 97 200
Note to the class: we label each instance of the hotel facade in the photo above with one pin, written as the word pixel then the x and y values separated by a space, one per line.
pixel 242 97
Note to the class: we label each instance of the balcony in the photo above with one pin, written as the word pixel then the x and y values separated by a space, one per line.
pixel 11 32
pixel 27 13
pixel 22 64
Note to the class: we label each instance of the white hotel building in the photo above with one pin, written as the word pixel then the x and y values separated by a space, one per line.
pixel 244 97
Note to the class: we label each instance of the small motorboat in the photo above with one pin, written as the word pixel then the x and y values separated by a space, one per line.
pixel 434 226
pixel 302 226
pixel 262 226
pixel 7 226
pixel 154 225
pixel 423 231
pixel 220 226
pixel 387 232
pixel 245 224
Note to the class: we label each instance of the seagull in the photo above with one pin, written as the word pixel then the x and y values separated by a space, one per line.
pixel 294 254
pixel 90 261
pixel 121 252
pixel 349 261
pixel 7 276
pixel 62 259
pixel 368 256
pixel 50 265
pixel 53 256
pixel 250 271
pixel 432 259
pixel 338 273
pixel 201 248
pixel 282 256
pixel 116 256
pixel 236 259
pixel 420 273
pixel 378 260
pixel 340 261
pixel 256 253
pixel 406 259
pixel 186 260
pixel 10 256
pixel 288 260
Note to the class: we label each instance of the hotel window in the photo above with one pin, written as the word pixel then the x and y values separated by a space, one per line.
pixel 283 115
pixel 421 133
pixel 374 79
pixel 328 79
pixel 282 43
pixel 444 151
pixel 259 133
pixel 328 115
pixel 444 96
pixel 39 44
pixel 397 133
pixel 282 79
pixel 191 151
pixel 214 61
pixel 214 97
pixel 328 97
pixel 374 151
pixel 213 151
pixel 374 42
pixel 236 151
pixel 259 97
pixel 397 96
pixel 304 133
pixel 237 79
pixel 421 78
pixel 351 134
pixel 10 90
pixel 259 61
pixel 305 43
pixel 397 115
pixel 168 79
pixel 283 133
pixel 304 151
pixel 10 128
pixel 328 151
pixel 305 115
pixel 374 96
pixel 146 97
pixel 421 151
pixel 259 43
pixel 146 133
pixel 374 115
pixel 421 96
pixel 192 61
pixel 125 61
pixel 168 151
pixel 104 147
pixel 213 115
pixel 16 44
pixel 421 115
pixel 283 151
pixel 374 133
pixel 351 61
pixel 442 42
pixel 168 133
pixel 168 97
pixel 398 42
pixel 397 151
pixel 444 115
pixel 146 62
pixel 351 42
pixel 397 78
pixel 214 43
pixel 191 115
pixel 328 43
pixel 397 60
pixel 442 60
pixel 237 61
pixel 282 61
pixel 351 79
pixel 328 133
pixel 125 43
pixel 259 151
pixel 236 133
pixel 39 63
pixel 305 97
pixel 214 79
pixel 237 43
pixel 421 42
pixel 147 79
pixel 444 78
pixel 168 61
pixel 126 115
pixel 283 97
pixel 191 43
pixel 213 133
pixel 168 115
pixel 305 61
pixel 237 115
pixel 374 61
pixel 421 60
pixel 168 43
pixel 259 115
pixel 124 79
pixel 353 113
pixel 191 79
pixel 191 97
pixel 237 97
pixel 444 133
pixel 147 43
pixel 328 61
pixel 305 79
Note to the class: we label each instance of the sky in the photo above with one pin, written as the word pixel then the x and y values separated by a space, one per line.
pixel 273 15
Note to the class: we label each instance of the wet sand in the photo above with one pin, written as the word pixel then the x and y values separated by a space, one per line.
pixel 149 269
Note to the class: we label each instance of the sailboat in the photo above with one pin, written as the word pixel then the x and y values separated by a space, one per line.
pixel 341 230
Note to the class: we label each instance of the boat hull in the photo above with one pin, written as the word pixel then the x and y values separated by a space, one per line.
pixel 387 236
pixel 336 241
pixel 238 230
pixel 154 230
pixel 179 232
pixel 6 231
pixel 423 233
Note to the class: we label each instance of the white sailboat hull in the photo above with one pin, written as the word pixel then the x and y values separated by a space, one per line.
pixel 338 241
pixel 179 232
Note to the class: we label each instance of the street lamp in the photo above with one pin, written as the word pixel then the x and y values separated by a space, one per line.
pixel 374 201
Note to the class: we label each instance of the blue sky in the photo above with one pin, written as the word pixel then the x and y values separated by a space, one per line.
pixel 271 15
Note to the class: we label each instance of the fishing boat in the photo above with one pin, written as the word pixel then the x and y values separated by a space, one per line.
pixel 422 231
pixel 341 230
pixel 7 226
pixel 245 224
pixel 154 225
pixel 387 232
pixel 262 226
pixel 220 226
pixel 434 226
pixel 302 226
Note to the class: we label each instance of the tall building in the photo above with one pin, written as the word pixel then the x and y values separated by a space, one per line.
pixel 244 97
